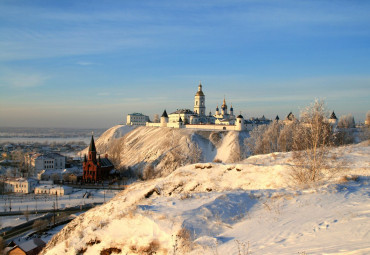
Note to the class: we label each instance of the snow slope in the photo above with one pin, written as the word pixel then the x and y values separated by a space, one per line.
pixel 166 149
pixel 109 136
pixel 252 206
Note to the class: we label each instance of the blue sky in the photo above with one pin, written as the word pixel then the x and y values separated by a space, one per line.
pixel 89 63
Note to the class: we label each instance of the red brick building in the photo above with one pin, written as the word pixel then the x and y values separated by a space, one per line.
pixel 96 169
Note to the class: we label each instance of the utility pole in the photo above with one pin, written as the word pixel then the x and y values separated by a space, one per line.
pixel 54 213
pixel 56 200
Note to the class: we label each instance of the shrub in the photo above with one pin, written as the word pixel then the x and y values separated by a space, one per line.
pixel 111 250
pixel 311 143
pixel 148 172
pixel 152 248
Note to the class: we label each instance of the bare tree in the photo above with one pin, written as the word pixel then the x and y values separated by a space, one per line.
pixel 22 164
pixel 254 142
pixel 286 136
pixel 266 138
pixel 148 172
pixel 156 118
pixel 311 143
pixel 346 121
pixel 115 151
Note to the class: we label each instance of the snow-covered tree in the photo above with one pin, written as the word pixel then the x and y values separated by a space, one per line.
pixel 311 143
pixel 346 121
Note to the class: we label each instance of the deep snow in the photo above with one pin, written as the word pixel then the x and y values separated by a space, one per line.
pixel 222 208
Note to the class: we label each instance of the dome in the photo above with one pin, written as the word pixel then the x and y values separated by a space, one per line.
pixel 199 93
pixel 240 116
pixel 224 106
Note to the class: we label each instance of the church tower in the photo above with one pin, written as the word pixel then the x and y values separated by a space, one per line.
pixel 200 102
pixel 92 150
pixel 224 108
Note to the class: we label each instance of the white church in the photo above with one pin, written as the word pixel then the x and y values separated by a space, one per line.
pixel 221 120
pixel 198 119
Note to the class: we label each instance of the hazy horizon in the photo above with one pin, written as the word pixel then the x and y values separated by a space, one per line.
pixel 87 64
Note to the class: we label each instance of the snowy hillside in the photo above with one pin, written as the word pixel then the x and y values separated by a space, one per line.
pixel 213 208
pixel 165 149
pixel 109 136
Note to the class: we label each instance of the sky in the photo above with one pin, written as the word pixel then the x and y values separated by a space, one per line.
pixel 88 64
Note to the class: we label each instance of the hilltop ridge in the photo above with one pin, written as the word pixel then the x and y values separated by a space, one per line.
pixel 165 149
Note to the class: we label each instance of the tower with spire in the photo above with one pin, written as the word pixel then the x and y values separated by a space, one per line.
pixel 200 102
pixel 95 169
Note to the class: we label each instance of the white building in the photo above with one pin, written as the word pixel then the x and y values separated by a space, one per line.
pixel 20 185
pixel 200 102
pixel 137 119
pixel 53 190
pixel 47 161
pixel 184 114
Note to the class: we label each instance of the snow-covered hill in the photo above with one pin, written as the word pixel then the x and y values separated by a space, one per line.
pixel 165 149
pixel 212 208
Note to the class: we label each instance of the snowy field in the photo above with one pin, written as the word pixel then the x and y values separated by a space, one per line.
pixel 46 135
pixel 252 207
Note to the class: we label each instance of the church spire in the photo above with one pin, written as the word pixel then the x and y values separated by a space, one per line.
pixel 92 144
pixel 92 149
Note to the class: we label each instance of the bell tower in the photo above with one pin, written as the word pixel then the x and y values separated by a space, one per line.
pixel 200 102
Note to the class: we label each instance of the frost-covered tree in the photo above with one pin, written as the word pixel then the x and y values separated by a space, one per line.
pixel 311 142
pixel 346 121
pixel 268 138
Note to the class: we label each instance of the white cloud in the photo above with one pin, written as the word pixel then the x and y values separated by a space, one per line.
pixel 84 63
pixel 22 80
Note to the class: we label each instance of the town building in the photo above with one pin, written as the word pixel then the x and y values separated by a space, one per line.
pixel 53 190
pixel 30 247
pixel 46 161
pixel 136 119
pixel 96 169
pixel 19 185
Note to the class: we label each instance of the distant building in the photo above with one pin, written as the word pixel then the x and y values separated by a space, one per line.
pixel 53 190
pixel 19 185
pixel 333 120
pixel 137 119
pixel 198 119
pixel 290 118
pixel 30 247
pixel 224 117
pixel 184 114
pixel 46 161
pixel 96 169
